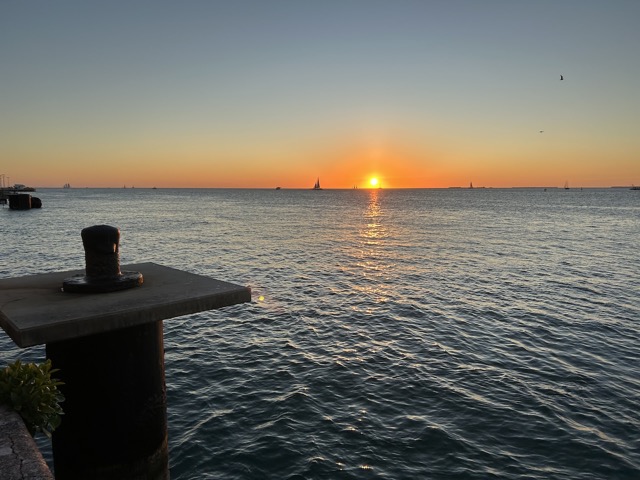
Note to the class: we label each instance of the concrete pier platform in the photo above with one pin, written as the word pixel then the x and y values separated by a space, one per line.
pixel 109 350
pixel 34 309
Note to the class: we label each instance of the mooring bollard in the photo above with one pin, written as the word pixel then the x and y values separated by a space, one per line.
pixel 107 343
pixel 102 263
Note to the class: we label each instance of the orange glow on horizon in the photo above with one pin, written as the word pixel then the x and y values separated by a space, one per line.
pixel 340 163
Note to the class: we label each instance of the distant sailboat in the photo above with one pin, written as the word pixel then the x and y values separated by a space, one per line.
pixel 470 184
pixel 566 185
pixel 317 185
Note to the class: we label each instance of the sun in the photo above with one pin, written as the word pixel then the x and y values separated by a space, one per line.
pixel 374 182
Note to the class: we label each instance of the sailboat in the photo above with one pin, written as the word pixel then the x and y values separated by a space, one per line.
pixel 317 185
pixel 566 185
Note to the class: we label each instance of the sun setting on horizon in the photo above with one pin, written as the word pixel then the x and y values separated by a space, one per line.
pixel 373 182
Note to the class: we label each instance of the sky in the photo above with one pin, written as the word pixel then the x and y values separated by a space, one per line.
pixel 259 94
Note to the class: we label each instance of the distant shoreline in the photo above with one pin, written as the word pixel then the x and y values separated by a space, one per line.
pixel 339 188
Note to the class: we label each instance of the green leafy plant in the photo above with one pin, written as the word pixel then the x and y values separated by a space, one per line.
pixel 29 390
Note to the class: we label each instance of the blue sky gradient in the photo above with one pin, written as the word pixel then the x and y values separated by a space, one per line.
pixel 253 94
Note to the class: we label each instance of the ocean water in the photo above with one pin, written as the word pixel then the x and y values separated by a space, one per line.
pixel 393 334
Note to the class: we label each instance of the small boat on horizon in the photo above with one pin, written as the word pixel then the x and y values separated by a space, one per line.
pixel 317 185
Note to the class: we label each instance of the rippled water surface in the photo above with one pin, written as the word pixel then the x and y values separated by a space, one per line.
pixel 393 334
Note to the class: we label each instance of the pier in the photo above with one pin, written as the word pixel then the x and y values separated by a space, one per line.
pixel 18 200
pixel 17 196
pixel 107 343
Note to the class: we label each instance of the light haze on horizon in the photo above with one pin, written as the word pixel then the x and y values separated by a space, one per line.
pixel 279 93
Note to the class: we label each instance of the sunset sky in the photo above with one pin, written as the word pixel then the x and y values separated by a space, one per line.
pixel 278 93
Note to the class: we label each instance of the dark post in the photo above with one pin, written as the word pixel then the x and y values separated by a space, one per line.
pixel 102 259
pixel 101 251
pixel 20 201
pixel 115 422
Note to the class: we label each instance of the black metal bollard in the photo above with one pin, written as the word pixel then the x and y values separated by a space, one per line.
pixel 101 250
pixel 102 259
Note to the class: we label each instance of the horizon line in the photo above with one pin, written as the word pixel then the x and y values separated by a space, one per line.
pixel 453 187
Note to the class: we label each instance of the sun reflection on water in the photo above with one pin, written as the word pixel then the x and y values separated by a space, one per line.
pixel 374 231
pixel 372 265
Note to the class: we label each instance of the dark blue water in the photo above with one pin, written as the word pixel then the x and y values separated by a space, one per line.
pixel 392 334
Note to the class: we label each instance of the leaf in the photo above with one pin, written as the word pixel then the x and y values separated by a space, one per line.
pixel 30 390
